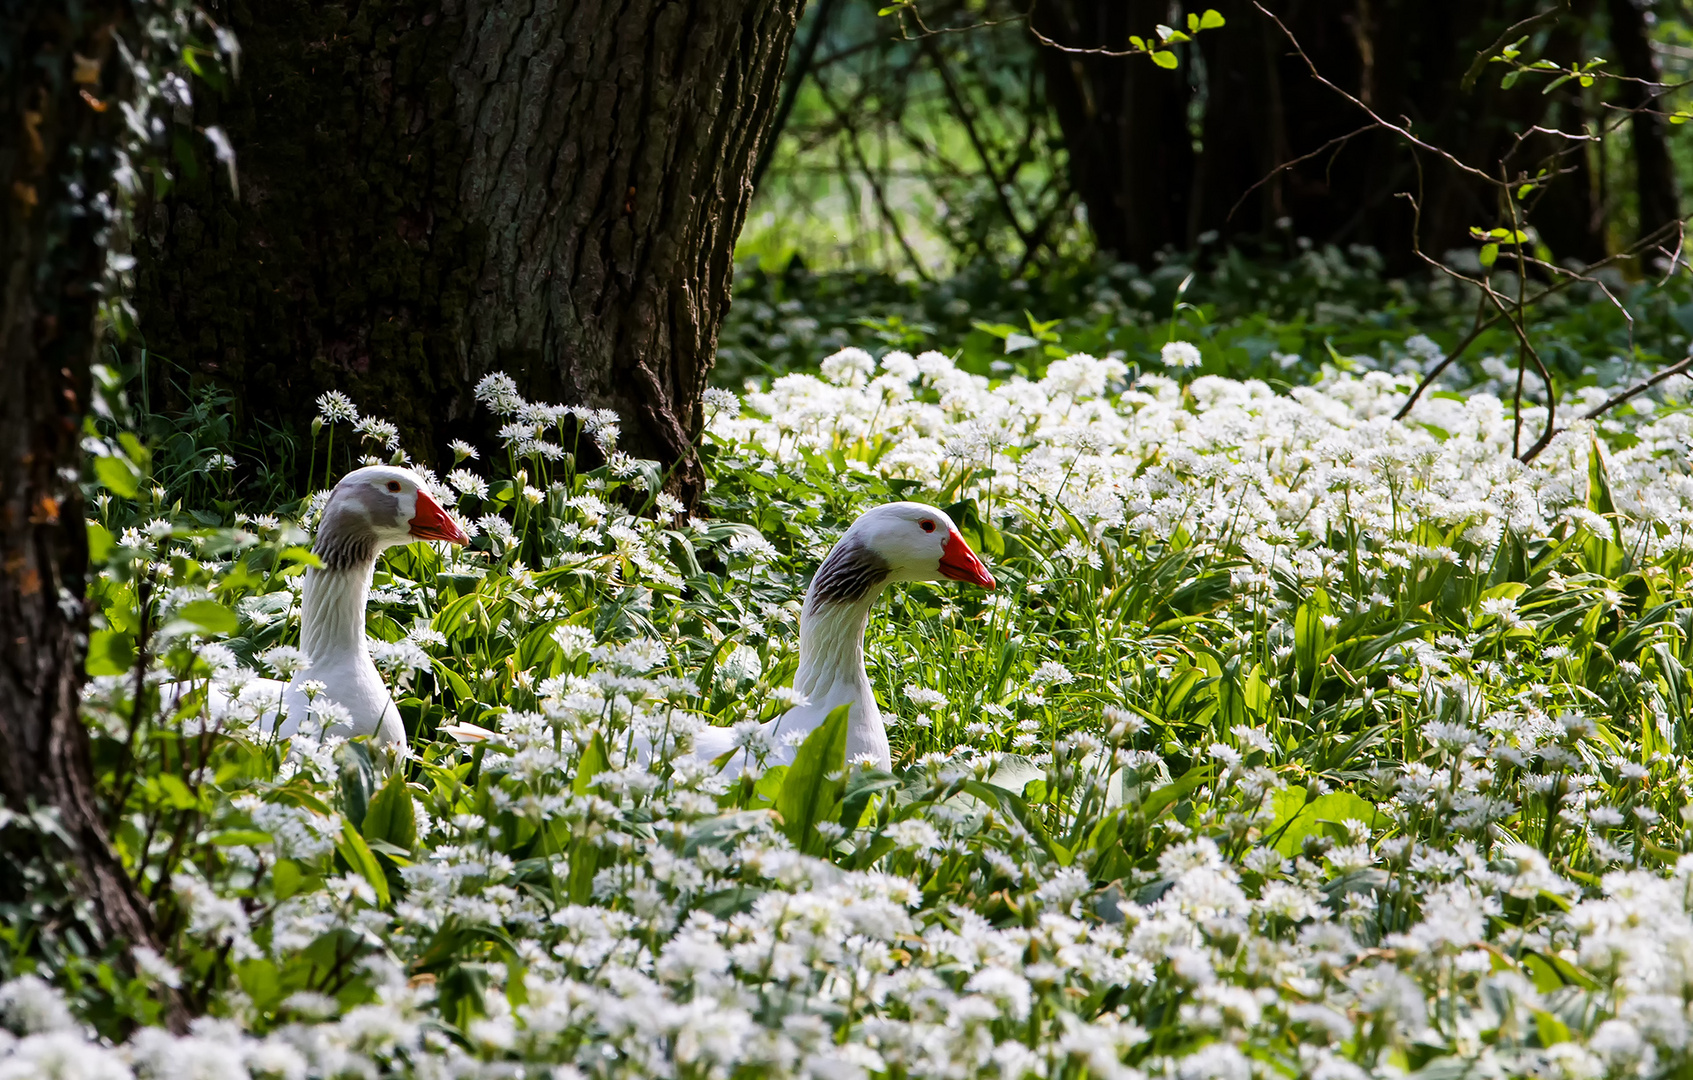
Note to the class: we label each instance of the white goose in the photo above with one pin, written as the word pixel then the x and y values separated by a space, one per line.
pixel 903 541
pixel 371 509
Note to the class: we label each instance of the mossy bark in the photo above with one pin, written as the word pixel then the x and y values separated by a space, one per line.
pixel 60 82
pixel 431 192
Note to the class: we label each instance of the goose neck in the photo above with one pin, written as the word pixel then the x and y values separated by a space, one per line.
pixel 332 609
pixel 831 647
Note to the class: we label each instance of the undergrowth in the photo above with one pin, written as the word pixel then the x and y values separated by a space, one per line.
pixel 1354 748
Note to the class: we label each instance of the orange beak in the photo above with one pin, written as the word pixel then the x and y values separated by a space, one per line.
pixel 959 563
pixel 431 522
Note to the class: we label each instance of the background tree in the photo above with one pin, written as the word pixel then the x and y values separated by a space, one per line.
pixel 1236 140
pixel 1271 143
pixel 60 87
pixel 430 193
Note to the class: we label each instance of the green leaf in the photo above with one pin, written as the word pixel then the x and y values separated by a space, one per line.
pixel 1489 254
pixel 298 554
pixel 359 856
pixel 118 476
pixel 1312 641
pixel 99 543
pixel 1170 794
pixel 815 782
pixel 358 781
pixel 861 786
pixel 1164 59
pixel 110 652
pixel 1211 20
pixel 460 688
pixel 595 760
pixel 1296 819
pixel 391 817
pixel 241 838
pixel 207 615
pixel 584 854
pixel 286 880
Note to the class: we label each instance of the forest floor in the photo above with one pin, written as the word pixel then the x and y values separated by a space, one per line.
pixel 1361 744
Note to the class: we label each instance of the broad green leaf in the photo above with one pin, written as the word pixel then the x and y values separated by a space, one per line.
pixel 1164 59
pixel 815 782
pixel 99 543
pixel 594 760
pixel 358 781
pixel 1211 20
pixel 1296 819
pixel 584 854
pixel 1311 639
pixel 391 817
pixel 286 879
pixel 118 476
pixel 110 652
pixel 1170 794
pixel 207 615
pixel 363 862
pixel 241 838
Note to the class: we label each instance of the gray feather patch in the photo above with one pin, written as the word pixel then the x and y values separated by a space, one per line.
pixel 850 573
pixel 346 537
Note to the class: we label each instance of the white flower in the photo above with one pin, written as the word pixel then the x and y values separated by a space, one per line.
pixel 849 367
pixel 1052 673
pixel 1180 354
pixel 28 1005
pixel 335 406
pixel 466 482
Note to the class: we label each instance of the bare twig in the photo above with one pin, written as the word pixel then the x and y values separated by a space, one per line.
pixel 1585 274
pixel 1338 142
pixel 1381 121
pixel 1516 30
pixel 881 197
pixel 963 113
pixel 1637 389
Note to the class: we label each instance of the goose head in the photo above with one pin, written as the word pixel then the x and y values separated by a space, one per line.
pixel 377 507
pixel 902 541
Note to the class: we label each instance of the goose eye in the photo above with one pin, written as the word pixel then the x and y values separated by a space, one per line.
pixel 926 526
pixel 393 485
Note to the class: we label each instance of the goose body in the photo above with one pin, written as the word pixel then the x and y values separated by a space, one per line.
pixel 903 541
pixel 370 510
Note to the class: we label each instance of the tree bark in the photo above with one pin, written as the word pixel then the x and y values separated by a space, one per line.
pixel 60 84
pixel 1654 171
pixel 1124 122
pixel 433 192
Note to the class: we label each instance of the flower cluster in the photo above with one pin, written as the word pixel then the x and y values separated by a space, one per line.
pixel 1298 741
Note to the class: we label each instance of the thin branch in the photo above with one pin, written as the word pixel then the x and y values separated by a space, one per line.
pixel 1398 129
pixel 887 212
pixel 1516 30
pixel 1638 388
pixel 1338 141
pixel 964 117
pixel 1583 275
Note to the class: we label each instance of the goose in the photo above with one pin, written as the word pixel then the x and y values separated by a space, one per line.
pixel 370 510
pixel 901 541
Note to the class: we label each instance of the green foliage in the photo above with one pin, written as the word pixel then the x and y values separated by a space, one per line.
pixel 1250 318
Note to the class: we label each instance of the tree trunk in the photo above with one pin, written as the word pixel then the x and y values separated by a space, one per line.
pixel 429 193
pixel 60 83
pixel 1654 171
pixel 1262 110
pixel 1124 121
